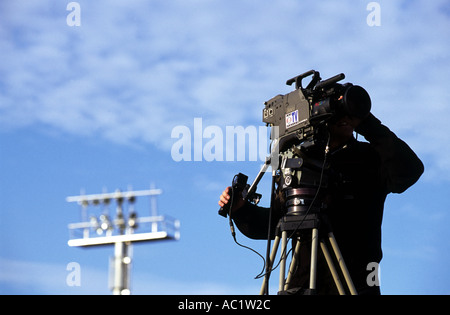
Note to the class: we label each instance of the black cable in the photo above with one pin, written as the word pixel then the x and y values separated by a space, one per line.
pixel 233 232
pixel 267 267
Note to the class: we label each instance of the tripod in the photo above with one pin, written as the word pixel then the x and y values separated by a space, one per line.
pixel 300 184
pixel 292 224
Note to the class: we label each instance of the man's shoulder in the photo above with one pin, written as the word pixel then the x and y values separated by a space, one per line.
pixel 363 149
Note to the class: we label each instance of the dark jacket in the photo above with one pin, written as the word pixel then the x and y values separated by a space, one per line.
pixel 362 175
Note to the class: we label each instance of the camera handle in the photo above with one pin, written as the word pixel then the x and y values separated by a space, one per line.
pixel 316 82
pixel 298 79
pixel 239 184
pixel 249 192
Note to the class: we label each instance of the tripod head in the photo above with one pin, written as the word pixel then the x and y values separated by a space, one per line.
pixel 302 179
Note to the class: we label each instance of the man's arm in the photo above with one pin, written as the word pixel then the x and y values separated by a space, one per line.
pixel 252 221
pixel 400 165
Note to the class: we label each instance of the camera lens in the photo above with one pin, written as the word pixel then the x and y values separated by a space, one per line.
pixel 357 102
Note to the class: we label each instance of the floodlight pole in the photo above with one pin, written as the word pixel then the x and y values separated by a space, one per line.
pixel 121 269
pixel 161 228
pixel 121 260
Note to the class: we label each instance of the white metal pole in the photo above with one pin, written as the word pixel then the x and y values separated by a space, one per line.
pixel 121 269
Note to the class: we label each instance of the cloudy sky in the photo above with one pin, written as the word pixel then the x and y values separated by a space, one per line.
pixel 93 107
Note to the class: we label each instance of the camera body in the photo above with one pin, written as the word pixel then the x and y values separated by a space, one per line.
pixel 299 122
pixel 302 111
pixel 290 113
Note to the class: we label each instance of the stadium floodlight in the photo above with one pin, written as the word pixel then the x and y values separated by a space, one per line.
pixel 121 231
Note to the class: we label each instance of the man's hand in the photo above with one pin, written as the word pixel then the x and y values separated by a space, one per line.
pixel 225 198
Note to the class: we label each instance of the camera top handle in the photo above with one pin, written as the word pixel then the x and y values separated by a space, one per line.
pixel 315 81
pixel 298 79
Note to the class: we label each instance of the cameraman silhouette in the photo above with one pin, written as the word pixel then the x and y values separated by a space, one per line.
pixel 362 174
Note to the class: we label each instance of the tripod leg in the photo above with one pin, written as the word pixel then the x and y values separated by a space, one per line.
pixel 283 260
pixel 333 270
pixel 276 243
pixel 313 271
pixel 340 259
pixel 293 265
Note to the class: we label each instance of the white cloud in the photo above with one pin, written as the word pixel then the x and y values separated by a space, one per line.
pixel 134 70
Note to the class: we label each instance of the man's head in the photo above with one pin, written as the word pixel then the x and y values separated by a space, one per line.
pixel 341 130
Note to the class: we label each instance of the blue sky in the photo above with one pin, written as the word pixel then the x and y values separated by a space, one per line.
pixel 93 106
